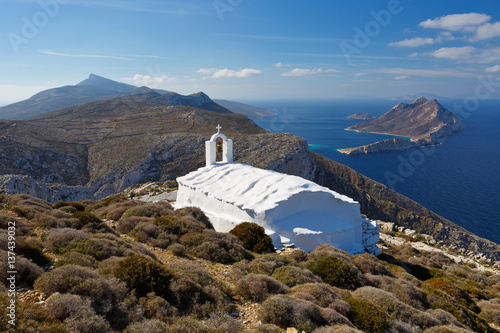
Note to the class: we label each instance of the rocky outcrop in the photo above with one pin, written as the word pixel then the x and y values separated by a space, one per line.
pixel 53 193
pixel 380 146
pixel 423 121
pixel 361 116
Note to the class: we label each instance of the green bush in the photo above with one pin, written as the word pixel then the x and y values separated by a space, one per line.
pixel 33 251
pixel 253 237
pixel 78 206
pixel 368 316
pixel 76 258
pixel 144 275
pixel 334 271
pixel 292 276
pixel 86 217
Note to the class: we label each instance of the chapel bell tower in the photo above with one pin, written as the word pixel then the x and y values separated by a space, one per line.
pixel 211 149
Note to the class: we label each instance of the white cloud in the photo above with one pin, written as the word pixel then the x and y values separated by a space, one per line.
pixel 456 22
pixel 148 80
pixel 223 73
pixel 453 53
pixel 468 54
pixel 444 36
pixel 413 42
pixel 207 71
pixel 402 77
pixel 305 71
pixel 360 74
pixel 278 64
pixel 487 31
pixel 413 55
pixel 493 69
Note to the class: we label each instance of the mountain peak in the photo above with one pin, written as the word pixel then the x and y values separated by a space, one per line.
pixel 420 100
pixel 102 82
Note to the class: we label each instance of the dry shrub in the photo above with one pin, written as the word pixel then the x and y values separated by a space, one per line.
pixel 447 329
pixel 258 287
pixel 116 210
pixel 221 322
pixel 405 291
pixel 49 221
pixel 21 228
pixel 396 309
pixel 292 276
pixel 322 293
pixel 326 250
pixel 253 237
pixel 127 225
pixel 335 272
pixel 285 311
pixel 63 306
pixel 267 328
pixel 265 264
pixel 332 317
pixel 157 307
pixel 106 294
pixel 27 206
pixel 153 235
pixel 195 213
pixel 58 239
pixel 337 329
pixel 397 326
pixel 490 311
pixel 87 322
pixel 29 318
pixel 177 250
pixel 99 246
pixel 194 290
pixel 153 209
pixel 147 326
pixel 27 271
pixel 367 263
pixel 298 255
pixel 215 246
pixel 75 258
pixel 187 325
pixel 444 317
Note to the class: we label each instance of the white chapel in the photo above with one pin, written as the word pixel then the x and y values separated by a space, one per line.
pixel 291 209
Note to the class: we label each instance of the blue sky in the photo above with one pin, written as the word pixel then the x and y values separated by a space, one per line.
pixel 253 49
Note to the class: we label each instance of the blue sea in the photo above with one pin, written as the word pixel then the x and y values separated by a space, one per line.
pixel 458 179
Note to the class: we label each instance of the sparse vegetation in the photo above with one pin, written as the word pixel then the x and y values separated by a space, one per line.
pixel 102 282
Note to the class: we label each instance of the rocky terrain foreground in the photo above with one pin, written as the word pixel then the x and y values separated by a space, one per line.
pixel 420 123
pixel 125 265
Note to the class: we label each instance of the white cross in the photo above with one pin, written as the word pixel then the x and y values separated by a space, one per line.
pixel 218 128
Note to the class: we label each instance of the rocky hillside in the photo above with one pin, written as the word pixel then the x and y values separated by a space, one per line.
pixel 109 145
pixel 122 265
pixel 423 122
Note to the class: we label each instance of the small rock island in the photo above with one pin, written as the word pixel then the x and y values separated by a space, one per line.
pixel 361 116
pixel 419 123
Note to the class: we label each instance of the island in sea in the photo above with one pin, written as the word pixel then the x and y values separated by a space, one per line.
pixel 420 123
pixel 361 116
